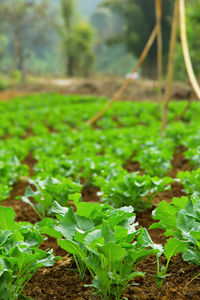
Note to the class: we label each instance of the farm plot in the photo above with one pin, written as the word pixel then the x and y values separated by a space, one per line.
pixel 110 211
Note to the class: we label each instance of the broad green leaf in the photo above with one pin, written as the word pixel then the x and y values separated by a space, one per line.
pixel 107 233
pixel 138 255
pixel 46 226
pixel 86 210
pixel 4 235
pixel 83 223
pixel 71 247
pixel 29 192
pixel 94 237
pixel 173 247
pixel 68 224
pixel 58 209
pixel 120 234
pixel 113 252
pixel 167 214
pixel 7 217
pixel 76 198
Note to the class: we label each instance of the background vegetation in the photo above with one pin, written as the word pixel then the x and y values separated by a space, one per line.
pixel 76 37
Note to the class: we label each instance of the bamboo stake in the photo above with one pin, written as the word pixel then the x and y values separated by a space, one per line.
pixel 180 117
pixel 128 80
pixel 170 71
pixel 159 47
pixel 186 52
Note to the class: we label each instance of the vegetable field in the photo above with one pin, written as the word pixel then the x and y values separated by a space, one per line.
pixel 107 211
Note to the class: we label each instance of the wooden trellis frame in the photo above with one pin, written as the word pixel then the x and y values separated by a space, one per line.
pixel 179 9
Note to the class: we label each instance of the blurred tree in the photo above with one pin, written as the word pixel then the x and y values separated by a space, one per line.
pixel 139 20
pixel 27 22
pixel 78 40
pixel 112 56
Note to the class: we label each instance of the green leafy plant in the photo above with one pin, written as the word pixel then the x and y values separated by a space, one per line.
pixel 47 190
pixel 131 189
pixel 190 181
pixel 193 154
pixel 155 157
pixel 172 247
pixel 20 256
pixel 181 220
pixel 11 169
pixel 104 240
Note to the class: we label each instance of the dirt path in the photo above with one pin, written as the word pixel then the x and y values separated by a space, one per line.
pixel 138 90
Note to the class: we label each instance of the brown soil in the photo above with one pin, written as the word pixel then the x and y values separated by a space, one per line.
pixel 133 166
pixel 28 133
pixel 6 136
pixel 140 89
pixel 179 162
pixel 10 94
pixel 51 243
pixel 174 287
pixel 30 161
pixel 60 282
pixel 89 194
pixel 51 129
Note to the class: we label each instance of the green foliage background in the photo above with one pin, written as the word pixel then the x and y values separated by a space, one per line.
pixel 121 30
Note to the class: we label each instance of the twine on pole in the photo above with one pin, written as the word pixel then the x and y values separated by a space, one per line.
pixel 128 80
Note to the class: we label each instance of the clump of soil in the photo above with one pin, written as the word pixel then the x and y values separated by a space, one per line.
pixel 51 129
pixel 51 243
pixel 179 162
pixel 133 166
pixel 89 193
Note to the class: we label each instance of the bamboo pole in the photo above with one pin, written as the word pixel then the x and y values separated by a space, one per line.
pixel 128 80
pixel 170 71
pixel 180 117
pixel 158 6
pixel 186 52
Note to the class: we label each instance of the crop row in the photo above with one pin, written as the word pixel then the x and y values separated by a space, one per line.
pixel 103 238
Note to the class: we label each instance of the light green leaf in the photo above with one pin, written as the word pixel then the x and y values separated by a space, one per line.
pixel 113 252
pixel 7 217
pixel 174 246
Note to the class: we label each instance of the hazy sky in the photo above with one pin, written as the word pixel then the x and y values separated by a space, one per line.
pixel 87 7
